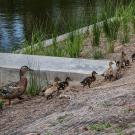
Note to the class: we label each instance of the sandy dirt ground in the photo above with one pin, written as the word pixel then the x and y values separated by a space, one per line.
pixel 107 108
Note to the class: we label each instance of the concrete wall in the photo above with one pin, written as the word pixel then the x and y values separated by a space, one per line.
pixel 51 67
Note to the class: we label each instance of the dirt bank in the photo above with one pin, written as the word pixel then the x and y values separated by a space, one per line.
pixel 106 108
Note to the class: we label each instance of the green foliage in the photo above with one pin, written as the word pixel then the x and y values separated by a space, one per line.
pixel 96 35
pixel 62 118
pixel 34 86
pixel 133 23
pixel 1 104
pixel 110 47
pixel 123 17
pixel 69 48
pixel 74 45
pixel 119 131
pixel 97 54
pixel 125 14
pixel 48 133
pixel 99 126
pixel 55 50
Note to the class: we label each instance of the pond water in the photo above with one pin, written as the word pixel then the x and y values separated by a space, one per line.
pixel 18 17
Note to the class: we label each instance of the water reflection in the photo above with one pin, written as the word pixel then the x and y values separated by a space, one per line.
pixel 17 17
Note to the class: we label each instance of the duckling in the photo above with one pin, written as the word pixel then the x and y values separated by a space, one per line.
pixel 64 84
pixel 15 89
pixel 49 92
pixel 89 80
pixel 117 71
pixel 56 79
pixel 124 59
pixel 133 57
pixel 108 74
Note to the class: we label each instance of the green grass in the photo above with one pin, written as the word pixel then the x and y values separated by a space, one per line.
pixel 96 35
pixel 133 24
pixel 124 17
pixel 74 45
pixel 111 28
pixel 119 131
pixel 110 47
pixel 1 104
pixel 107 103
pixel 48 133
pixel 34 86
pixel 35 83
pixel 97 54
pixel 125 13
pixel 61 118
pixel 68 48
pixel 98 127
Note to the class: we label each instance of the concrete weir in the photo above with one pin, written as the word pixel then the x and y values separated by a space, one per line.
pixel 49 67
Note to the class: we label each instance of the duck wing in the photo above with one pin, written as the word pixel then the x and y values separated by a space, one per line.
pixel 13 84
pixel 85 80
pixel 61 85
pixel 9 91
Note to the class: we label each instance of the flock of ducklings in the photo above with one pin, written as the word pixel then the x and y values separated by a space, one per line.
pixel 17 89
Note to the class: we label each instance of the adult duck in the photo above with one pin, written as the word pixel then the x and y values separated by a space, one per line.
pixel 15 89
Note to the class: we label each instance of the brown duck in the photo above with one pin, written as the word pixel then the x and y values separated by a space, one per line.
pixel 88 80
pixel 52 89
pixel 15 89
pixel 64 84
pixel 108 74
pixel 124 59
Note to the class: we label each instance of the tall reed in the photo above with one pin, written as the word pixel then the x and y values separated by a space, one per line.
pixel 96 35
pixel 74 45
pixel 35 81
pixel 125 14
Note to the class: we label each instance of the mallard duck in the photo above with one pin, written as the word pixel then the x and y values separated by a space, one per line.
pixel 89 80
pixel 15 89
pixel 108 74
pixel 64 84
pixel 49 92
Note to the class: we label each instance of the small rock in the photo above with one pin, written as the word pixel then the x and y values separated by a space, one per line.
pixel 64 96
pixel 131 107
pixel 33 134
pixel 85 128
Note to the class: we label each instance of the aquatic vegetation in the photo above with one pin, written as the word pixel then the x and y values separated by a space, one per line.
pixel 74 45
pixel 96 35
pixel 117 28
pixel 35 81
pixel 125 15
pixel 97 54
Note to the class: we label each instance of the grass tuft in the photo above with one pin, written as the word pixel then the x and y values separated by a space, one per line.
pixel 1 104
pixel 96 35
pixel 99 126
pixel 97 54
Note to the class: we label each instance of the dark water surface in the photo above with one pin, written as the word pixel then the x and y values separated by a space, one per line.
pixel 17 17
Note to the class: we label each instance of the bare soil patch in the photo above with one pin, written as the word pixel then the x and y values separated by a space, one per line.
pixel 86 112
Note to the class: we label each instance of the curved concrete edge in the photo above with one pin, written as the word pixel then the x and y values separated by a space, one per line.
pixel 49 67
pixel 65 36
